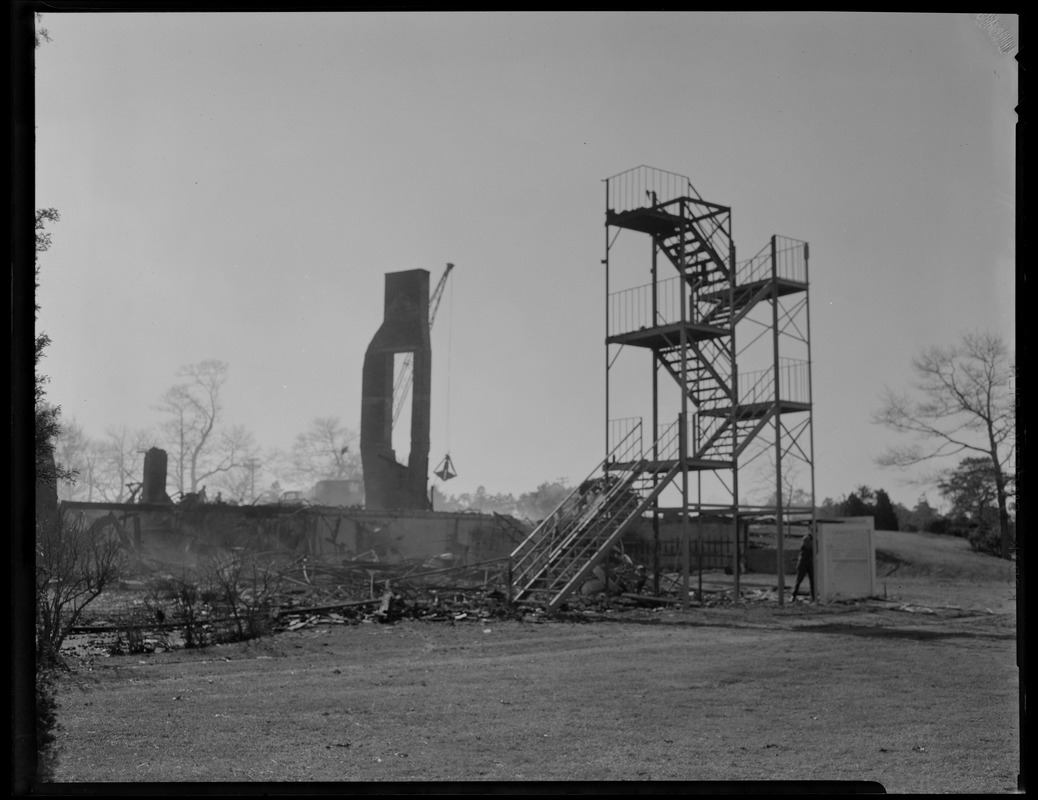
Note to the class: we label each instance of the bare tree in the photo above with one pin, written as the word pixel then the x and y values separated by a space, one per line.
pixel 963 401
pixel 247 588
pixel 245 483
pixel 326 450
pixel 235 446
pixel 74 565
pixel 194 408
pixel 199 448
pixel 79 453
pixel 105 466
pixel 123 463
pixel 238 455
pixel 793 492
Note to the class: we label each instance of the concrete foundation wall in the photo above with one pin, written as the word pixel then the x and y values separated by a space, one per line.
pixel 398 536
pixel 179 535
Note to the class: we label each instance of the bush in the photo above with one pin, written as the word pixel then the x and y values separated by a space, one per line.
pixel 190 607
pixel 986 540
pixel 951 526
pixel 246 589
pixel 46 721
pixel 226 599
pixel 74 565
pixel 939 525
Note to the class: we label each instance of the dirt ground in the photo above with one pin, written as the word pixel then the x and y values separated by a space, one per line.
pixel 916 689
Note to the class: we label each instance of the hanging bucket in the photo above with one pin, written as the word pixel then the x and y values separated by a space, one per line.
pixel 446 469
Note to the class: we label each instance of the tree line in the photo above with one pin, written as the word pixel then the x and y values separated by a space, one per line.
pixel 969 492
pixel 205 451
pixel 533 505
pixel 208 452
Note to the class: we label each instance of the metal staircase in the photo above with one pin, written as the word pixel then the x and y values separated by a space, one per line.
pixel 560 553
pixel 690 322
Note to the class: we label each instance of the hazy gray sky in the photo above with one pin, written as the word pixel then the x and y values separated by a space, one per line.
pixel 235 186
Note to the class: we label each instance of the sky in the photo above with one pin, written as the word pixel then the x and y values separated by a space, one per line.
pixel 235 186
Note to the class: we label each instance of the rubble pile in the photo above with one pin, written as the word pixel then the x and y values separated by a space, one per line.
pixel 166 611
pixel 412 590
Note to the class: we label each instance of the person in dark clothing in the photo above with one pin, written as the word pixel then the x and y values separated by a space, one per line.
pixel 806 565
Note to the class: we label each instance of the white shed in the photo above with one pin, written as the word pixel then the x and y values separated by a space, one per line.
pixel 845 559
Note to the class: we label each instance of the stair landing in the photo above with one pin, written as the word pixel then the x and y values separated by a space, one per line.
pixel 662 337
pixel 755 410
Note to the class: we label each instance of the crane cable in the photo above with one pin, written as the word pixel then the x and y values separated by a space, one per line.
pixel 445 471
pixel 450 337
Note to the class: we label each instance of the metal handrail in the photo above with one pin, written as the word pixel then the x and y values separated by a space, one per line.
pixel 584 523
pixel 790 264
pixel 794 383
pixel 585 535
pixel 546 525
pixel 631 309
pixel 562 531
pixel 619 429
pixel 635 188
pixel 668 441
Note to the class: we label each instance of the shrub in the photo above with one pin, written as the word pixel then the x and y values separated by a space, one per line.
pixel 940 525
pixel 986 540
pixel 226 599
pixel 74 565
pixel 191 610
pixel 246 589
pixel 46 721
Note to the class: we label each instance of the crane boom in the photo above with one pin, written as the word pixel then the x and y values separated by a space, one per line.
pixel 403 380
pixel 437 295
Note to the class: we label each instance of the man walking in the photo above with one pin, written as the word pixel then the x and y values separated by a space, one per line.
pixel 806 565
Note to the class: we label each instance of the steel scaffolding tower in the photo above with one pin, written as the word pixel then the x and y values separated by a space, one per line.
pixel 734 339
pixel 719 421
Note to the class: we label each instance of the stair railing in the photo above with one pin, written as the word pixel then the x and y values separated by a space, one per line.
pixel 594 549
pixel 789 257
pixel 574 526
pixel 760 390
pixel 635 188
pixel 588 536
pixel 615 495
pixel 621 452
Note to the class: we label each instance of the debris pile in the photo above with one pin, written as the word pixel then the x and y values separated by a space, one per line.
pixel 240 597
pixel 235 599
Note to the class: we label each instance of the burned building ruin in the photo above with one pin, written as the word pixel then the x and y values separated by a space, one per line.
pixel 405 329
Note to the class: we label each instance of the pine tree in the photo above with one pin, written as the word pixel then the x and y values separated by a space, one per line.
pixel 886 516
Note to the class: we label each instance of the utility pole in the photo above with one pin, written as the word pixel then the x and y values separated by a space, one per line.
pixel 251 465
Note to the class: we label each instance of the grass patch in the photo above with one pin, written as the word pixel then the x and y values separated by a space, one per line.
pixel 921 702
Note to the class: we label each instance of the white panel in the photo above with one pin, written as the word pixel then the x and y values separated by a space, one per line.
pixel 845 559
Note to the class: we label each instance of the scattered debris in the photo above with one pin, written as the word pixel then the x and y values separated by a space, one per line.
pixel 166 611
